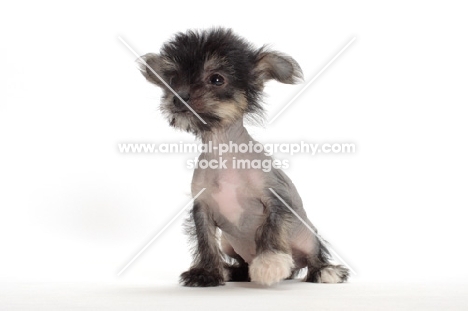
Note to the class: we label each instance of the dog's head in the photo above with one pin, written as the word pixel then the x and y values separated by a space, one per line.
pixel 217 74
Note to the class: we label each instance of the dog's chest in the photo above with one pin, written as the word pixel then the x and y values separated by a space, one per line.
pixel 234 194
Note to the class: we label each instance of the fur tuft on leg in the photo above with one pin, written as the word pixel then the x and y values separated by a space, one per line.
pixel 321 271
pixel 199 277
pixel 332 274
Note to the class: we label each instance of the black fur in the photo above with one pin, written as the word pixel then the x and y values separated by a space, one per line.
pixel 200 277
pixel 182 63
pixel 238 271
pixel 190 51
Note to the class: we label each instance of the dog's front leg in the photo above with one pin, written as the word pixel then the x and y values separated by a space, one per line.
pixel 207 266
pixel 273 261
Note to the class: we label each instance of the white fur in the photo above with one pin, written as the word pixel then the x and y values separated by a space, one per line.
pixel 330 275
pixel 270 268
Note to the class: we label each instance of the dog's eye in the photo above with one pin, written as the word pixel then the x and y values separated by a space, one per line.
pixel 217 79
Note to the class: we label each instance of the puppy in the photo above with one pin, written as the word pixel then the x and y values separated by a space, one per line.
pixel 241 230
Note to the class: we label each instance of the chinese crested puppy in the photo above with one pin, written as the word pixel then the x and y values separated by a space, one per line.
pixel 241 224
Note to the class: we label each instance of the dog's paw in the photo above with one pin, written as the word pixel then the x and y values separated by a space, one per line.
pixel 329 274
pixel 199 277
pixel 333 274
pixel 269 268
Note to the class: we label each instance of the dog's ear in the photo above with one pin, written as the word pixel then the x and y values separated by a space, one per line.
pixel 151 66
pixel 274 65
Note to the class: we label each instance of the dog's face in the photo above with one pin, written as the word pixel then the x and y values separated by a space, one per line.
pixel 218 74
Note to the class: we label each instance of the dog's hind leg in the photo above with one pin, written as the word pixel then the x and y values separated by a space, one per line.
pixel 320 270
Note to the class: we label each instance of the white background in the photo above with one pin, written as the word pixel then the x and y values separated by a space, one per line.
pixel 72 208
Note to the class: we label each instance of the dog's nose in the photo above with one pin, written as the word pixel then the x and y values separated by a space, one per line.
pixel 179 104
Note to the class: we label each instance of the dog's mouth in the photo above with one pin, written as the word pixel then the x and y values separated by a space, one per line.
pixel 183 111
